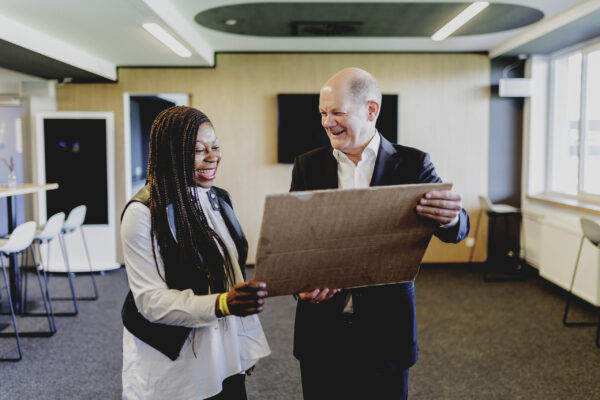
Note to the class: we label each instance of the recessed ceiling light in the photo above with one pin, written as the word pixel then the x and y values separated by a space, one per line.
pixel 159 33
pixel 231 22
pixel 461 19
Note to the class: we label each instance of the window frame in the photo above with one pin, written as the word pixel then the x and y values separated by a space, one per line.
pixel 585 48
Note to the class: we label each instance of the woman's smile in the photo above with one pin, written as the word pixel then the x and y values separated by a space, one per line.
pixel 207 173
pixel 207 156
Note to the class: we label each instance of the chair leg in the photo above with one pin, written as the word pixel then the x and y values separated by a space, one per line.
pixel 44 267
pixel 70 278
pixel 47 301
pixel 12 314
pixel 45 291
pixel 24 274
pixel 49 312
pixel 87 253
pixel 570 295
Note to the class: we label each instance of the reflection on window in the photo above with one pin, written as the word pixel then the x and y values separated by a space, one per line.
pixel 591 165
pixel 575 146
pixel 565 138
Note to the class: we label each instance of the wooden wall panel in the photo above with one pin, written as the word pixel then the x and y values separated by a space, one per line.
pixel 472 249
pixel 443 109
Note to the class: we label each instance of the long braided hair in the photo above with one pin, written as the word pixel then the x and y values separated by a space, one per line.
pixel 194 260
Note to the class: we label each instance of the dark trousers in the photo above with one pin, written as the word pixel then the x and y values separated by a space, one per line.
pixel 234 388
pixel 353 379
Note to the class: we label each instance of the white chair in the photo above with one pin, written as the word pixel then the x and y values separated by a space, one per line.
pixel 18 242
pixel 511 254
pixel 75 222
pixel 591 231
pixel 50 231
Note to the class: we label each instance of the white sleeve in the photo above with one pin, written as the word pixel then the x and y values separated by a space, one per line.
pixel 154 300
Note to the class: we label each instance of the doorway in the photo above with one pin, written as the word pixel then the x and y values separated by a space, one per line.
pixel 140 110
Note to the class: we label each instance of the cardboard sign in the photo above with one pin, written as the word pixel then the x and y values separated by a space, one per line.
pixel 342 238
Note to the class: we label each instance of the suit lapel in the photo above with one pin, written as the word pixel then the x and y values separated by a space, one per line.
pixel 330 171
pixel 386 163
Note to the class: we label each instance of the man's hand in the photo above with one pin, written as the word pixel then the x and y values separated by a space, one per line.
pixel 318 295
pixel 442 206
pixel 247 298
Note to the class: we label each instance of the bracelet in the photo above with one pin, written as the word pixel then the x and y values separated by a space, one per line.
pixel 223 304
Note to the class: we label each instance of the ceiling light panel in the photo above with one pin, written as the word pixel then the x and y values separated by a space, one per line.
pixel 165 38
pixel 465 16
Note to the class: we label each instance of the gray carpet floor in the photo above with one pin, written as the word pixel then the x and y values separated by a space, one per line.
pixel 501 340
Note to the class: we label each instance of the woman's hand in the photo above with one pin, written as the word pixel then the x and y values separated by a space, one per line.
pixel 247 298
pixel 318 295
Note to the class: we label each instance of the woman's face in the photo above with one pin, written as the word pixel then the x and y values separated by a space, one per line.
pixel 207 156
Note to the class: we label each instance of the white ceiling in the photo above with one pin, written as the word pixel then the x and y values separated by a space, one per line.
pixel 99 35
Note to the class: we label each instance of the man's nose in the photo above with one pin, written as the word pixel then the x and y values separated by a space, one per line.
pixel 328 120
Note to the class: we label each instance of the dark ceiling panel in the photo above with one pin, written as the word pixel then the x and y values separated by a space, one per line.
pixel 500 17
pixel 29 62
pixel 360 19
pixel 582 29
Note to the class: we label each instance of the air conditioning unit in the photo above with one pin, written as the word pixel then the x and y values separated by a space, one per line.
pixel 514 87
pixel 10 100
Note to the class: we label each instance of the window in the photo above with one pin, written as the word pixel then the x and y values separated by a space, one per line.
pixel 574 161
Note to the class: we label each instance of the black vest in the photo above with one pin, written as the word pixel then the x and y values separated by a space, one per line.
pixel 169 339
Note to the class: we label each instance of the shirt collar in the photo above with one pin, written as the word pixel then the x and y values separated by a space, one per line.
pixel 371 150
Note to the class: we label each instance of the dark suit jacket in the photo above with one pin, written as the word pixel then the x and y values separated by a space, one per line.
pixel 384 325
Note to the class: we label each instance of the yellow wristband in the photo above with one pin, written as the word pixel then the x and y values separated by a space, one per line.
pixel 220 298
pixel 223 305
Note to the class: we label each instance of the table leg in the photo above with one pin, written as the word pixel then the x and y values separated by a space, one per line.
pixel 13 269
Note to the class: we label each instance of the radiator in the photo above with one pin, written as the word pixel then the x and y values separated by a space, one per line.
pixel 559 243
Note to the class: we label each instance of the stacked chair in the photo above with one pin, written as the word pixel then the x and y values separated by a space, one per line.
pixel 19 241
pixel 73 223
pixel 23 240
pixel 62 227
pixel 52 230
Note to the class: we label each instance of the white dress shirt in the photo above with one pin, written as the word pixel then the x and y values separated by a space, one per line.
pixel 351 176
pixel 223 346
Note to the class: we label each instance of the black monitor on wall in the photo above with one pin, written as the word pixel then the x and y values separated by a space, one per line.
pixel 299 124
pixel 75 158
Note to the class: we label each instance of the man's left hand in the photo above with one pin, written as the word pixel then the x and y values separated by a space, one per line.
pixel 443 206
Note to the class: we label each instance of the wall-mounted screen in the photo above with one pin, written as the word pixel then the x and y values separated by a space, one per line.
pixel 299 124
pixel 75 158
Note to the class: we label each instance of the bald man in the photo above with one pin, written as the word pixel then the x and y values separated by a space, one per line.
pixel 360 343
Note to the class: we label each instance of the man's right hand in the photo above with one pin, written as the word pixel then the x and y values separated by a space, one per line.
pixel 318 295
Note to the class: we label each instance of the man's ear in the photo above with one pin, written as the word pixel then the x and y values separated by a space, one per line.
pixel 373 108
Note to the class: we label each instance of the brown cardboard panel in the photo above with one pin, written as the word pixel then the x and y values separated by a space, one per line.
pixel 342 238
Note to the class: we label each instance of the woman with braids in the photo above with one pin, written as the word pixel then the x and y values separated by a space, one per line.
pixel 191 329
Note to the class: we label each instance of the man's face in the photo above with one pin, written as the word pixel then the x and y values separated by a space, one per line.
pixel 207 156
pixel 345 120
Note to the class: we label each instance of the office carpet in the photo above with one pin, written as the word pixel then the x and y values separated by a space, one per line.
pixel 500 340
